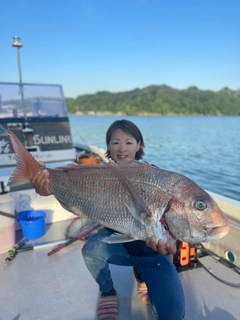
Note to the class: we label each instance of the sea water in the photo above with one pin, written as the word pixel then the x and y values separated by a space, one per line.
pixel 206 149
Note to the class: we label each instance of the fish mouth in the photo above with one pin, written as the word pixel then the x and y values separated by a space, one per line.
pixel 219 232
pixel 210 234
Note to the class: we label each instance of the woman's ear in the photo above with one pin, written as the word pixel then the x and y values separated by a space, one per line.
pixel 138 145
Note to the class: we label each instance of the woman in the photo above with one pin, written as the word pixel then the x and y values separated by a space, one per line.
pixel 158 281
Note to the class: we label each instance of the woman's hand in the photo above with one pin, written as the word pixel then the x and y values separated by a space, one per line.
pixel 162 247
pixel 41 182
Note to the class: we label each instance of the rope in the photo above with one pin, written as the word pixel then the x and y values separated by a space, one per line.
pixel 223 261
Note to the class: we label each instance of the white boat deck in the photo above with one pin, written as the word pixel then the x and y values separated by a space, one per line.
pixel 36 286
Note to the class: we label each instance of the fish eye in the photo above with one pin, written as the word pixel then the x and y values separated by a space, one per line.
pixel 200 205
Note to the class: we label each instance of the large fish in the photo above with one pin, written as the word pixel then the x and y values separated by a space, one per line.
pixel 134 198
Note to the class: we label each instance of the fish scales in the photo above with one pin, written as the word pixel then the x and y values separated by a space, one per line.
pixel 103 194
pixel 104 197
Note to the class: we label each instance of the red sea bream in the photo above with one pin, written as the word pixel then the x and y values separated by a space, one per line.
pixel 134 198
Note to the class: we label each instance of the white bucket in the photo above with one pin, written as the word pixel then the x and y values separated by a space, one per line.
pixel 7 225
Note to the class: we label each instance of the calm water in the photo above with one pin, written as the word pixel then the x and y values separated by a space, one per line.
pixel 205 149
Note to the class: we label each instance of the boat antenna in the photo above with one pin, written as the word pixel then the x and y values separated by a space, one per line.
pixel 18 44
pixel 27 130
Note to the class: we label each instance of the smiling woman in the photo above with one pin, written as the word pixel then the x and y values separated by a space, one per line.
pixel 156 274
pixel 122 146
pixel 124 141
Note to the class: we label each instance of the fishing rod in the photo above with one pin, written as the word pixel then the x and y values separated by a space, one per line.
pixel 79 237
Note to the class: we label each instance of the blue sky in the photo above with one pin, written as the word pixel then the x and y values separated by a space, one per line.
pixel 119 45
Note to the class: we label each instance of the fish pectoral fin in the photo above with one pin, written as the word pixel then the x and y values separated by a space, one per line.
pixel 117 238
pixel 157 210
pixel 138 207
pixel 140 217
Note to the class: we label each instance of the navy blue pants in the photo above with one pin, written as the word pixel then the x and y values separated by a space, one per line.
pixel 159 273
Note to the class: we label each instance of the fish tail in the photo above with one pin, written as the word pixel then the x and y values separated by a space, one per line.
pixel 27 166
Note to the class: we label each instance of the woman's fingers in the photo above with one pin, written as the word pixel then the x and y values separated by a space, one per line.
pixel 161 247
pixel 41 183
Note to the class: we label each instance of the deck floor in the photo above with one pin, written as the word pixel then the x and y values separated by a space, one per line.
pixel 35 286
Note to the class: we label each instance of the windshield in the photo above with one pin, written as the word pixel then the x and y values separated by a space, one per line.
pixel 29 100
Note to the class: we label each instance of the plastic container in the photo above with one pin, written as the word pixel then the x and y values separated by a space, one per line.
pixel 87 158
pixel 33 223
pixel 7 225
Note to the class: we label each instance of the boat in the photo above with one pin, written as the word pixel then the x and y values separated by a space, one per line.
pixel 37 285
pixel 37 115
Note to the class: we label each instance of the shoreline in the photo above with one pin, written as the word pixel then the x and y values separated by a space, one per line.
pixel 146 114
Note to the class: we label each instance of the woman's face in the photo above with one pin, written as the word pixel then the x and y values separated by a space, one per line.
pixel 122 146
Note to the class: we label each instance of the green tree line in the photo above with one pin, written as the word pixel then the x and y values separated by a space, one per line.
pixel 160 99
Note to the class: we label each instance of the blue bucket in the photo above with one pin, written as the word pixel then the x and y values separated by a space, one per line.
pixel 33 223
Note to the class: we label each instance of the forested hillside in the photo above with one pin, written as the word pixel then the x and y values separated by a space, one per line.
pixel 162 100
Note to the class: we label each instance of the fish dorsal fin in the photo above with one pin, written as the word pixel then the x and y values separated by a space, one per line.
pixel 75 166
pixel 102 165
pixel 138 208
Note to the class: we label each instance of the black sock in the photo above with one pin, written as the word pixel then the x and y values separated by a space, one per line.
pixel 111 292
